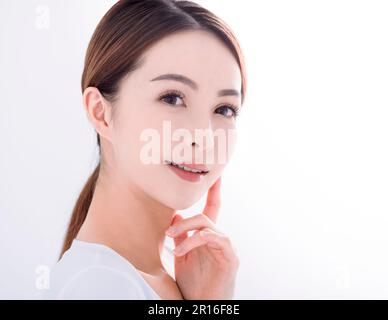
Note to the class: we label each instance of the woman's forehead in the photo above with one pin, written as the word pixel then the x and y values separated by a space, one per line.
pixel 197 55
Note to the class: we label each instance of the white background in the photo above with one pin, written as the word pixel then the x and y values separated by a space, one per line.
pixel 305 195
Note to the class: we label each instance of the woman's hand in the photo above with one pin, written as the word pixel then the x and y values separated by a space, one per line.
pixel 205 263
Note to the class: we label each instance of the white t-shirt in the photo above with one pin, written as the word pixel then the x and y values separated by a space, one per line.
pixel 95 271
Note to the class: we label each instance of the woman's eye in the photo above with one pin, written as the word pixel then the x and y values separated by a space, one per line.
pixel 171 98
pixel 227 111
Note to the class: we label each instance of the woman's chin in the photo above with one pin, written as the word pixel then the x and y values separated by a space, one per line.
pixel 181 202
pixel 181 205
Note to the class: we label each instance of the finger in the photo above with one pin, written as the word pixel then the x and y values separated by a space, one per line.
pixel 198 221
pixel 211 238
pixel 213 201
pixel 189 244
pixel 179 239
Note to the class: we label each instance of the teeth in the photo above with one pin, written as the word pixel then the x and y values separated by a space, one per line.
pixel 186 168
pixel 189 169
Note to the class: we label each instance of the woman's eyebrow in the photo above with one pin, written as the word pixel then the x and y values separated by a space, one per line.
pixel 193 84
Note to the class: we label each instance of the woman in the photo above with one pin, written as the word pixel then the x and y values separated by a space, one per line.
pixel 150 63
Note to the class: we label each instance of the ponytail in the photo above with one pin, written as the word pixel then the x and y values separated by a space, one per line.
pixel 80 210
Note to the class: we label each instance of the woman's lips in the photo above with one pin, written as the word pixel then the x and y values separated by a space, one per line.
pixel 186 175
pixel 195 166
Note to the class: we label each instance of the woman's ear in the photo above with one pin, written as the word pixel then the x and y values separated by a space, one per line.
pixel 98 111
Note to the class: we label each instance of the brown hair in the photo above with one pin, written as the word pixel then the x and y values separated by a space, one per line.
pixel 116 48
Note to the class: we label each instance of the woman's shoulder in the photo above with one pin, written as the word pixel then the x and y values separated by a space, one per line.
pixel 94 271
pixel 100 282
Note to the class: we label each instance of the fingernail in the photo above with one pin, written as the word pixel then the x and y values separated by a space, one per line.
pixel 171 230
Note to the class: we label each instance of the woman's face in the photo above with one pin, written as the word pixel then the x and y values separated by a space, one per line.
pixel 145 124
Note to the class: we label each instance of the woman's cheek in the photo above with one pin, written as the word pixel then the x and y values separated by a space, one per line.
pixel 127 150
pixel 225 141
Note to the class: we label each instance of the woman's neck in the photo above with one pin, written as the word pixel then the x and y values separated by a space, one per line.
pixel 129 222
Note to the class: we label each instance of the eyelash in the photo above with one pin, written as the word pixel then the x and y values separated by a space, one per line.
pixel 174 93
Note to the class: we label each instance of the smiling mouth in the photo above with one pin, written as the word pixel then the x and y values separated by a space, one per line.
pixel 192 169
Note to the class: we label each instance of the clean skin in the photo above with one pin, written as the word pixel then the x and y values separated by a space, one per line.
pixel 135 203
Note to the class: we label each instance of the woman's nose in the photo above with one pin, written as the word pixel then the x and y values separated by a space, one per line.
pixel 202 134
